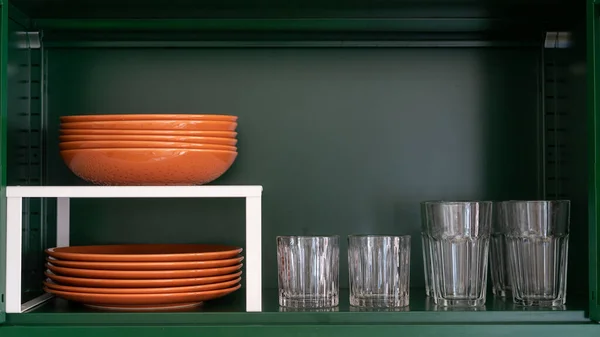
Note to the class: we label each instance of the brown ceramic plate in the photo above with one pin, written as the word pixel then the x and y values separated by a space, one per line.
pixel 146 265
pixel 142 299
pixel 178 307
pixel 142 274
pixel 166 290
pixel 154 125
pixel 145 253
pixel 141 117
pixel 107 144
pixel 133 283
pixel 226 134
pixel 148 166
pixel 185 139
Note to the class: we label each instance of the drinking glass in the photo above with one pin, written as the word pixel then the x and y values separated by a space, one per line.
pixel 426 244
pixel 460 235
pixel 379 270
pixel 499 255
pixel 537 233
pixel 308 270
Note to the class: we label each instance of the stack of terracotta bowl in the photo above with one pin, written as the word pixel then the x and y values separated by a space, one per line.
pixel 176 149
pixel 143 277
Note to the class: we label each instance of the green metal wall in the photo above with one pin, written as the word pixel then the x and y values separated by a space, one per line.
pixel 343 140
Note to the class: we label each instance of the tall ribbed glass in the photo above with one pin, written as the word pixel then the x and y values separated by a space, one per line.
pixel 426 245
pixel 460 235
pixel 379 270
pixel 537 234
pixel 308 270
pixel 499 255
pixel 427 264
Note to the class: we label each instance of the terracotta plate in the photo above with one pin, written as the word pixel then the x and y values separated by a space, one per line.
pixel 164 124
pixel 143 308
pixel 227 134
pixel 138 117
pixel 185 139
pixel 166 290
pixel 153 300
pixel 143 274
pixel 146 265
pixel 145 253
pixel 134 283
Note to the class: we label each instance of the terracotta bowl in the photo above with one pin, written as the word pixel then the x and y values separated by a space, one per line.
pixel 106 144
pixel 151 166
pixel 86 132
pixel 154 125
pixel 144 117
pixel 184 139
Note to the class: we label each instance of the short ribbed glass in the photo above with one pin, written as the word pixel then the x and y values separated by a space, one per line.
pixel 379 270
pixel 499 255
pixel 308 270
pixel 537 233
pixel 460 235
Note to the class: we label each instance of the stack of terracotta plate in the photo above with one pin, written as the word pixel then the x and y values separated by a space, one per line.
pixel 143 277
pixel 176 149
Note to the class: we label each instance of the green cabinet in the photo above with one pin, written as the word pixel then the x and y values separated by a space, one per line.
pixel 350 114
pixel 593 66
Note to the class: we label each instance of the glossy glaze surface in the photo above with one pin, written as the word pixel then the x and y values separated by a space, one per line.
pixel 155 138
pixel 187 133
pixel 106 144
pixel 133 283
pixel 146 265
pixel 142 117
pixel 163 290
pixel 151 166
pixel 142 299
pixel 142 274
pixel 145 252
pixel 155 125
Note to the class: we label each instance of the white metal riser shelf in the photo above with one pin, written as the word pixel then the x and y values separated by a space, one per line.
pixel 63 194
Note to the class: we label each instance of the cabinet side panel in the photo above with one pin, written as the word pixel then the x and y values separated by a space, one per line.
pixel 594 183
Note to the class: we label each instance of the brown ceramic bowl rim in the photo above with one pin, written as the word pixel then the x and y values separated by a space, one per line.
pixel 141 117
pixel 137 132
pixel 148 149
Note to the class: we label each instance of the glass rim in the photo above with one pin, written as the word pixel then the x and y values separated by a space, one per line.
pixel 540 201
pixel 378 236
pixel 455 202
pixel 307 236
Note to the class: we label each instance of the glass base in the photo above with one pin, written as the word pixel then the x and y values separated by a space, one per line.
pixel 303 301
pixel 501 292
pixel 379 301
pixel 459 302
pixel 539 302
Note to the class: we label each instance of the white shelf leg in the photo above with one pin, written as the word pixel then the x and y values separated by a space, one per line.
pixel 253 254
pixel 14 224
pixel 63 216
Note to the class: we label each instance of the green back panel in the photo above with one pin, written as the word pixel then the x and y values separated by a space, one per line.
pixel 343 140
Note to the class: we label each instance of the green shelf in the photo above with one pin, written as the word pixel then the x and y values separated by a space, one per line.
pixel 230 311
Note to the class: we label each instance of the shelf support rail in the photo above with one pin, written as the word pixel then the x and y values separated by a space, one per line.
pixel 63 194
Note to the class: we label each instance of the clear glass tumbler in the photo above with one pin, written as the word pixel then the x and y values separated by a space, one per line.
pixel 426 244
pixel 379 270
pixel 427 264
pixel 460 236
pixel 537 233
pixel 499 255
pixel 308 270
